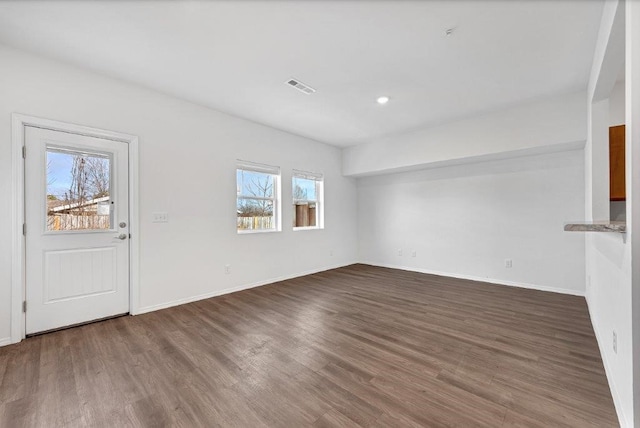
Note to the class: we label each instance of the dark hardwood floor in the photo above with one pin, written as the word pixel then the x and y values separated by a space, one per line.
pixel 357 346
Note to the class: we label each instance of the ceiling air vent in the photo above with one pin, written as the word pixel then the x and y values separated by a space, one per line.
pixel 301 86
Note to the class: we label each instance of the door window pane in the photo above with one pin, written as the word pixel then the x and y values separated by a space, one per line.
pixel 78 190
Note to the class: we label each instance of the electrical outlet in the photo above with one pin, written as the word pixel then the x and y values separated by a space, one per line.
pixel 331 252
pixel 414 253
pixel 161 217
pixel 615 342
pixel 227 269
pixel 400 251
pixel 508 263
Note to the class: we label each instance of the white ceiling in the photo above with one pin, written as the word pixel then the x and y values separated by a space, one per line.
pixel 235 56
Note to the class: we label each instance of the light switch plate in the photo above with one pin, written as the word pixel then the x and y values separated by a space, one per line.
pixel 161 217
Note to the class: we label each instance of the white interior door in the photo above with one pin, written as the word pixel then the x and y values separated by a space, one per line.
pixel 77 229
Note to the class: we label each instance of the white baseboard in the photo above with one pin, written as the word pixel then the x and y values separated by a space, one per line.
pixel 229 290
pixel 5 341
pixel 479 279
pixel 612 386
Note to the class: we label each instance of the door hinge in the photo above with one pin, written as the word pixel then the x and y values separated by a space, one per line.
pixel 24 229
pixel 24 306
pixel 24 152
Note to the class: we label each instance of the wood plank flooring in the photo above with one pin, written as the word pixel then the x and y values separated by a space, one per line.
pixel 359 346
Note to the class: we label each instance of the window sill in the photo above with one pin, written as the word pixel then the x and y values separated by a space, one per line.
pixel 296 229
pixel 253 232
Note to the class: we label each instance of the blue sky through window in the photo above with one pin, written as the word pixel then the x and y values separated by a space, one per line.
pixel 307 186
pixel 251 183
pixel 58 173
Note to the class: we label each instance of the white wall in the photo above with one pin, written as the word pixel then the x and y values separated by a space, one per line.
pixel 616 105
pixel 597 207
pixel 464 221
pixel 187 168
pixel 632 112
pixel 608 255
pixel 547 125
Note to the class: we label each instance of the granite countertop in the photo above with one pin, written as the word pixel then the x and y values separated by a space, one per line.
pixel 597 226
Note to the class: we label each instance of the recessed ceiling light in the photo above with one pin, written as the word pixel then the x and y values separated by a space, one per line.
pixel 382 100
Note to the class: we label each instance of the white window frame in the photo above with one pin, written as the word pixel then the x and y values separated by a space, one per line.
pixel 319 201
pixel 276 200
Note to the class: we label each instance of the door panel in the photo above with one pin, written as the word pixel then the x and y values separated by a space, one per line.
pixel 77 216
pixel 70 274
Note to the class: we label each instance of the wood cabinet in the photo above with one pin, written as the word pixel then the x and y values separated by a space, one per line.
pixel 616 164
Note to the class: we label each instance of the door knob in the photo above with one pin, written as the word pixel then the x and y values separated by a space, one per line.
pixel 122 236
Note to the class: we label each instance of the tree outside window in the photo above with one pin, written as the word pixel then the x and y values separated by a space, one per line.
pixel 257 192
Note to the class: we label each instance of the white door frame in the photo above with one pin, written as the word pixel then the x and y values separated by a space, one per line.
pixel 18 285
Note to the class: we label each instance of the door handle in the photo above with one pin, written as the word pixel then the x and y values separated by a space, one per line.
pixel 122 236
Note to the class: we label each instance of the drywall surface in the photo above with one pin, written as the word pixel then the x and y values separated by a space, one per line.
pixel 608 257
pixel 616 105
pixel 187 168
pixel 466 221
pixel 632 112
pixel 608 261
pixel 544 126
pixel 597 206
